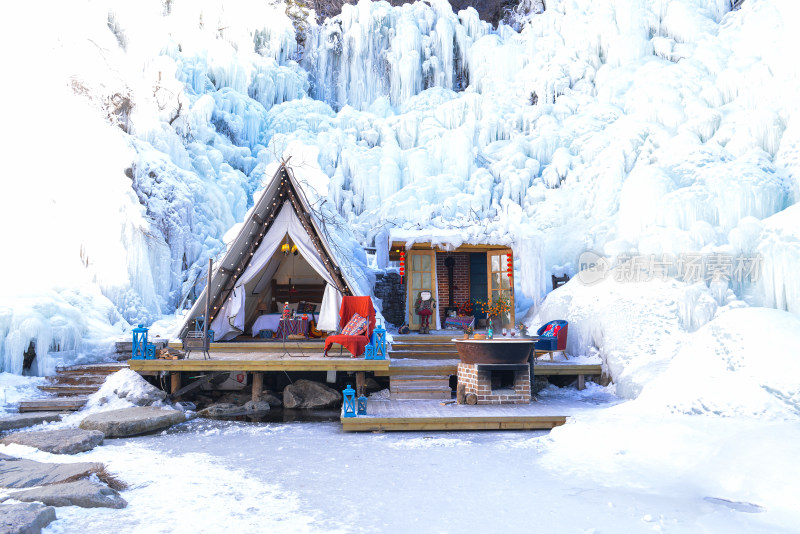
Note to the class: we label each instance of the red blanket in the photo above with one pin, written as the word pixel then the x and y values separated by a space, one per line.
pixel 354 344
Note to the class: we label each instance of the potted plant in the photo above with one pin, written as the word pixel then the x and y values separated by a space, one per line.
pixel 497 309
pixel 523 330
pixel 468 332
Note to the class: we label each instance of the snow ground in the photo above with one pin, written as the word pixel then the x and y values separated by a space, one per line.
pixel 651 476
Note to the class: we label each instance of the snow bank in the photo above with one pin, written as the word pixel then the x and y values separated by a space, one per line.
pixel 634 327
pixel 14 388
pixel 743 363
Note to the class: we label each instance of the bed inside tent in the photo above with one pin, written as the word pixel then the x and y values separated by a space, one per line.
pixel 286 267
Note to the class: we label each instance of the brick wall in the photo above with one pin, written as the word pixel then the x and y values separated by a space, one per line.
pixel 480 382
pixel 460 280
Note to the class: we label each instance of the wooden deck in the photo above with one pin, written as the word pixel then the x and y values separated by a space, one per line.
pixel 404 415
pixel 259 361
pixel 561 368
pixel 450 367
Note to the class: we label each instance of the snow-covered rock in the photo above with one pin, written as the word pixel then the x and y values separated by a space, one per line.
pixel 83 493
pixel 129 386
pixel 132 421
pixel 24 518
pixel 59 441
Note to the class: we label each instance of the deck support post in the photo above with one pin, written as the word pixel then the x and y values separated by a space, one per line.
pixel 581 382
pixel 361 381
pixel 175 382
pixel 258 385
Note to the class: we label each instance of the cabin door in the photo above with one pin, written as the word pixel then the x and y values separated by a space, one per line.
pixel 500 284
pixel 421 266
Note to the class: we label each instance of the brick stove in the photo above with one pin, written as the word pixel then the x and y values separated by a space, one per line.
pixel 496 383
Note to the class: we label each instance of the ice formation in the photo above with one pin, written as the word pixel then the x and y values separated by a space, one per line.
pixel 639 127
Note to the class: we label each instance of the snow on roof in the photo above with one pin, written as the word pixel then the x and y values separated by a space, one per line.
pixel 450 238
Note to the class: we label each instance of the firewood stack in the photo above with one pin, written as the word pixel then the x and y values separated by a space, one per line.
pixel 168 353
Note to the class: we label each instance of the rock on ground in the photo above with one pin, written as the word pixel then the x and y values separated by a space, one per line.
pixel 260 406
pixel 63 441
pixel 22 420
pixel 372 385
pixel 222 409
pixel 83 493
pixel 132 421
pixel 28 518
pixel 225 409
pixel 305 394
pixel 21 473
pixel 271 398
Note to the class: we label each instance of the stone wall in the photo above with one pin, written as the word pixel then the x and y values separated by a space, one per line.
pixel 393 296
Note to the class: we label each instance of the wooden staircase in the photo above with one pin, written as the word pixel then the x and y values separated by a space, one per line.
pixel 71 387
pixel 421 367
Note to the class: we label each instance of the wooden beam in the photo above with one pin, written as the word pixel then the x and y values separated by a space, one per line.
pixel 361 381
pixel 286 364
pixel 258 385
pixel 401 245
pixel 175 384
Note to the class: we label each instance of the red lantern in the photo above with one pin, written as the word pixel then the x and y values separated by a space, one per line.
pixel 510 265
pixel 402 265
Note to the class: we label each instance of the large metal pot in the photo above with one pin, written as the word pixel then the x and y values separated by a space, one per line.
pixel 497 351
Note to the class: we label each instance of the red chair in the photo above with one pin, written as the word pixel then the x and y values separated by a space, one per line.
pixel 354 344
pixel 552 338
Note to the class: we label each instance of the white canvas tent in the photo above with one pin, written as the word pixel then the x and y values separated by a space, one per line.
pixel 241 280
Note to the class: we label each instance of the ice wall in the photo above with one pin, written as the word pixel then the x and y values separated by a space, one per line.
pixel 373 50
pixel 154 120
pixel 644 127
pixel 638 127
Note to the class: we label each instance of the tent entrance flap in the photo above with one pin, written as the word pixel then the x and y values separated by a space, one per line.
pixel 266 262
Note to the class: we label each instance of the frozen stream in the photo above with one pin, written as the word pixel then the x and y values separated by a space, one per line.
pixel 218 476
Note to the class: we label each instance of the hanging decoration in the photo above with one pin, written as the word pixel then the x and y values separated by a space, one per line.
pixel 285 248
pixel 510 265
pixel 402 265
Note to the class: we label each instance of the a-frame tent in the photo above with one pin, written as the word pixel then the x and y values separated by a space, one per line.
pixel 254 256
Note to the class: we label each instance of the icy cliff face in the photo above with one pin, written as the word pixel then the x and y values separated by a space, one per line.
pixel 638 127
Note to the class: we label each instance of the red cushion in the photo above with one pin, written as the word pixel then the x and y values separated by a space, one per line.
pixel 355 326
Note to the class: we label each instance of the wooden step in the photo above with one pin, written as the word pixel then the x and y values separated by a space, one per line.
pixel 402 381
pixel 420 367
pixel 427 338
pixel 69 404
pixel 422 392
pixel 77 380
pixel 69 390
pixel 419 355
pixel 422 347
pixel 93 369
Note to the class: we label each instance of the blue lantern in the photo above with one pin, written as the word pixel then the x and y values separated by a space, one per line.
pixel 139 343
pixel 349 401
pixel 369 352
pixel 200 322
pixel 379 343
pixel 362 405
